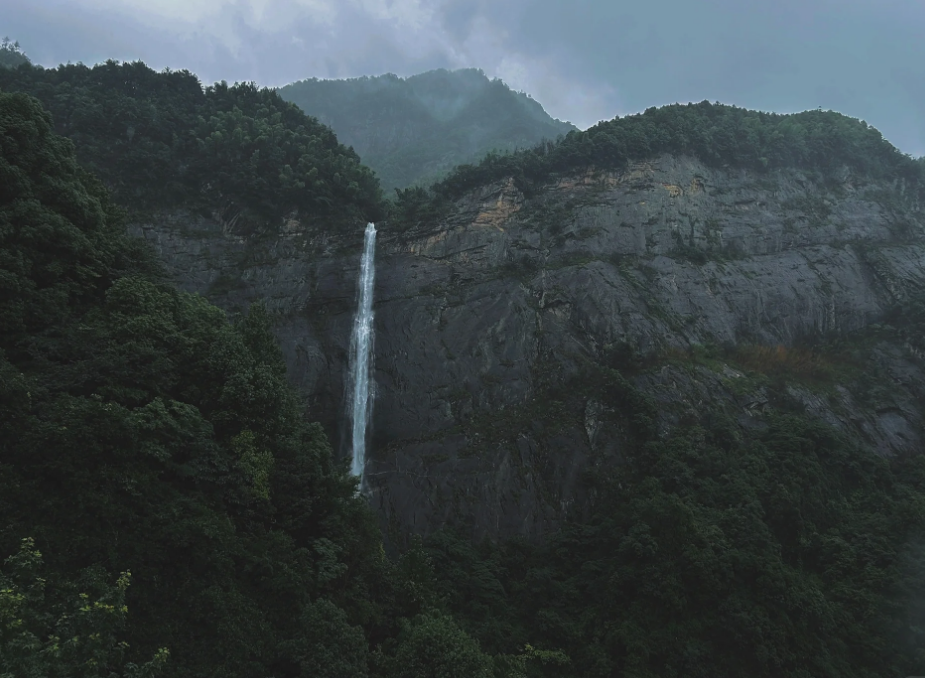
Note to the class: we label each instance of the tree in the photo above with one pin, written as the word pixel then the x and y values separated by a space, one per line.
pixel 239 153
pixel 141 430
pixel 11 55
pixel 64 631
pixel 327 645
pixel 432 645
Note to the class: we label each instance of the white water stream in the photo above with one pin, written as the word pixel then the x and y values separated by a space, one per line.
pixel 361 352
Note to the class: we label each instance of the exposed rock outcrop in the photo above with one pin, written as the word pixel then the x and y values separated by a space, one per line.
pixel 486 321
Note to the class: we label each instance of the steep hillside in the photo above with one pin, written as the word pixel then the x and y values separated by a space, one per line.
pixel 415 130
pixel 680 354
pixel 142 433
pixel 671 367
pixel 489 295
pixel 237 153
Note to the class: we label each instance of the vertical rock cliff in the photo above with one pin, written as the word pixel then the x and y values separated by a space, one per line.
pixel 491 322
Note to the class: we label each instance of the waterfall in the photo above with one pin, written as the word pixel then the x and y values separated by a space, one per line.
pixel 361 349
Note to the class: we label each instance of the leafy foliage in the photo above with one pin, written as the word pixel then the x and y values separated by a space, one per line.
pixel 415 130
pixel 787 551
pixel 162 140
pixel 141 431
pixel 432 646
pixel 63 633
pixel 717 134
pixel 11 54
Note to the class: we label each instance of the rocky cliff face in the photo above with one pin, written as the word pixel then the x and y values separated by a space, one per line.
pixel 490 324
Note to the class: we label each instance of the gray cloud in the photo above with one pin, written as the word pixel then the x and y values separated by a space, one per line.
pixel 861 58
pixel 584 60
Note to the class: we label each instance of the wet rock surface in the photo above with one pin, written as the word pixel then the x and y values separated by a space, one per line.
pixel 486 320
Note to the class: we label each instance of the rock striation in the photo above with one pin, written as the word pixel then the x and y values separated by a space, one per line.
pixel 489 322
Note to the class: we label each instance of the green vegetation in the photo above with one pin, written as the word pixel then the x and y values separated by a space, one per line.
pixel 11 55
pixel 63 631
pixel 718 135
pixel 415 130
pixel 714 551
pixel 141 432
pixel 162 140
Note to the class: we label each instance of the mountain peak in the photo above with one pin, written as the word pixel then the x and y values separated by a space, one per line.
pixel 415 129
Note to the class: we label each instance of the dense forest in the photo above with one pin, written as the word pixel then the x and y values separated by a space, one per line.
pixel 162 139
pixel 168 508
pixel 413 131
pixel 141 433
pixel 717 134
pixel 713 551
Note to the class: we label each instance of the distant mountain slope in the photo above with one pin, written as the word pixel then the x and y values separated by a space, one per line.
pixel 414 130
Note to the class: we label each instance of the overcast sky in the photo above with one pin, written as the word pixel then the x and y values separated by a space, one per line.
pixel 584 60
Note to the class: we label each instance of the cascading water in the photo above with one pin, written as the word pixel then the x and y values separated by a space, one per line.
pixel 361 349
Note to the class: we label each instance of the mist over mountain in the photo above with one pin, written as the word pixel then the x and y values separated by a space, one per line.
pixel 649 398
pixel 414 130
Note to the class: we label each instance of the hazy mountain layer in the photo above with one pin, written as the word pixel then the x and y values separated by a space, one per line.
pixel 414 130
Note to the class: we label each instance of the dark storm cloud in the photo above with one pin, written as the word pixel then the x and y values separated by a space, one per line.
pixel 584 60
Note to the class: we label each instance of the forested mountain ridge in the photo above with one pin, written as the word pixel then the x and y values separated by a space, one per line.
pixel 162 140
pixel 678 376
pixel 718 135
pixel 414 130
pixel 679 389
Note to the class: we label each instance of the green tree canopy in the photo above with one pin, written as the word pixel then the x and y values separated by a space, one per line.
pixel 414 130
pixel 141 431
pixel 162 140
pixel 431 645
pixel 719 135
pixel 11 54
pixel 781 551
pixel 64 631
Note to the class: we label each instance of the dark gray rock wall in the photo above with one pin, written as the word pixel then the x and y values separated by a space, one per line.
pixel 483 319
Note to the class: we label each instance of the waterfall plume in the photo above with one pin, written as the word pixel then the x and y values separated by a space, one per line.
pixel 360 403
